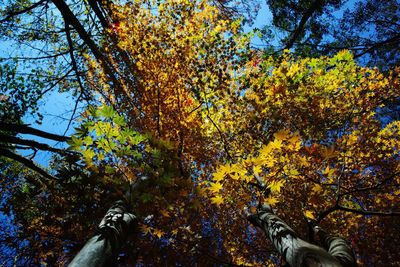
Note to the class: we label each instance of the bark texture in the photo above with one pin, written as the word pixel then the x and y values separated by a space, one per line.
pixel 103 248
pixel 298 252
pixel 337 247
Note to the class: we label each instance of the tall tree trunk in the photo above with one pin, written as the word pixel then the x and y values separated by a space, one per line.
pixel 103 248
pixel 296 251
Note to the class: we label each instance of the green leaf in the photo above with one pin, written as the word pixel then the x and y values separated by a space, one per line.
pixel 25 188
pixel 88 154
pixel 119 120
pixel 136 139
pixel 75 143
pixel 110 170
pixel 107 112
pixel 146 197
pixel 88 140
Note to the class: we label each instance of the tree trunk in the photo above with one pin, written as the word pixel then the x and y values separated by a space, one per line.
pixel 103 248
pixel 293 249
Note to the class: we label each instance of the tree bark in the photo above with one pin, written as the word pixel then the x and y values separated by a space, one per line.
pixel 103 248
pixel 337 247
pixel 293 249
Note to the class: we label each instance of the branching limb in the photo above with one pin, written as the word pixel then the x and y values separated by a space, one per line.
pixel 25 129
pixel 369 212
pixel 19 141
pixel 72 20
pixel 300 27
pixel 28 163
pixel 22 11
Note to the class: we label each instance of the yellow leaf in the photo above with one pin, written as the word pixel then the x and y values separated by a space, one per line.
pixel 271 200
pixel 247 178
pixel 217 200
pixel 316 188
pixel 265 151
pixel 165 213
pixel 174 232
pixel 303 160
pixel 239 170
pixel 275 186
pixel 353 138
pixel 309 214
pixel 145 229
pixel 328 172
pixel 235 176
pixel 225 169
pixel 295 141
pixel 215 187
pixel 257 170
pixel 276 144
pixel 282 134
pixel 218 176
pixel 390 197
pixel 158 233
pixel 293 172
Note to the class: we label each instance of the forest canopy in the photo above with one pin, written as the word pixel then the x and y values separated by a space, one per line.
pixel 200 136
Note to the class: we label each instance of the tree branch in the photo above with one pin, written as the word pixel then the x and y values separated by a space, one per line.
pixel 25 129
pixel 94 5
pixel 369 212
pixel 75 67
pixel 18 141
pixel 28 163
pixel 306 16
pixel 370 188
pixel 22 11
pixel 337 207
pixel 393 39
pixel 72 20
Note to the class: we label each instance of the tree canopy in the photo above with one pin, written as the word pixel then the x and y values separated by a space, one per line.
pixel 214 145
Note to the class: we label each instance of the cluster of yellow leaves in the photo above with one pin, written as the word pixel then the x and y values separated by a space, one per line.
pixel 316 94
pixel 181 53
pixel 304 129
pixel 145 229
pixel 333 143
pixel 272 165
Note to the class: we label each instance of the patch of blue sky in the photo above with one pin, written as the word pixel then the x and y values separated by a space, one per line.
pixel 263 18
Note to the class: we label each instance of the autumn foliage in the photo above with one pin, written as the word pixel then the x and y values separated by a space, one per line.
pixel 219 128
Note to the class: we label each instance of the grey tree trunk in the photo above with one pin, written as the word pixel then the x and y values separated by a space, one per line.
pixel 103 248
pixel 298 252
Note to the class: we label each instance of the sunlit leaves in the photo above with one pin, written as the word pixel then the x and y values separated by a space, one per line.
pixel 215 187
pixel 243 129
pixel 309 214
pixel 306 135
pixel 276 186
pixel 158 233
pixel 271 200
pixel 217 200
pixel 104 138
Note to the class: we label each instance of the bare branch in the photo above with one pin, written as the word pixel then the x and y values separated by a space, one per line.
pixel 25 129
pixel 394 39
pixel 369 212
pixel 18 141
pixel 22 11
pixel 28 163
pixel 307 15
pixel 72 20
